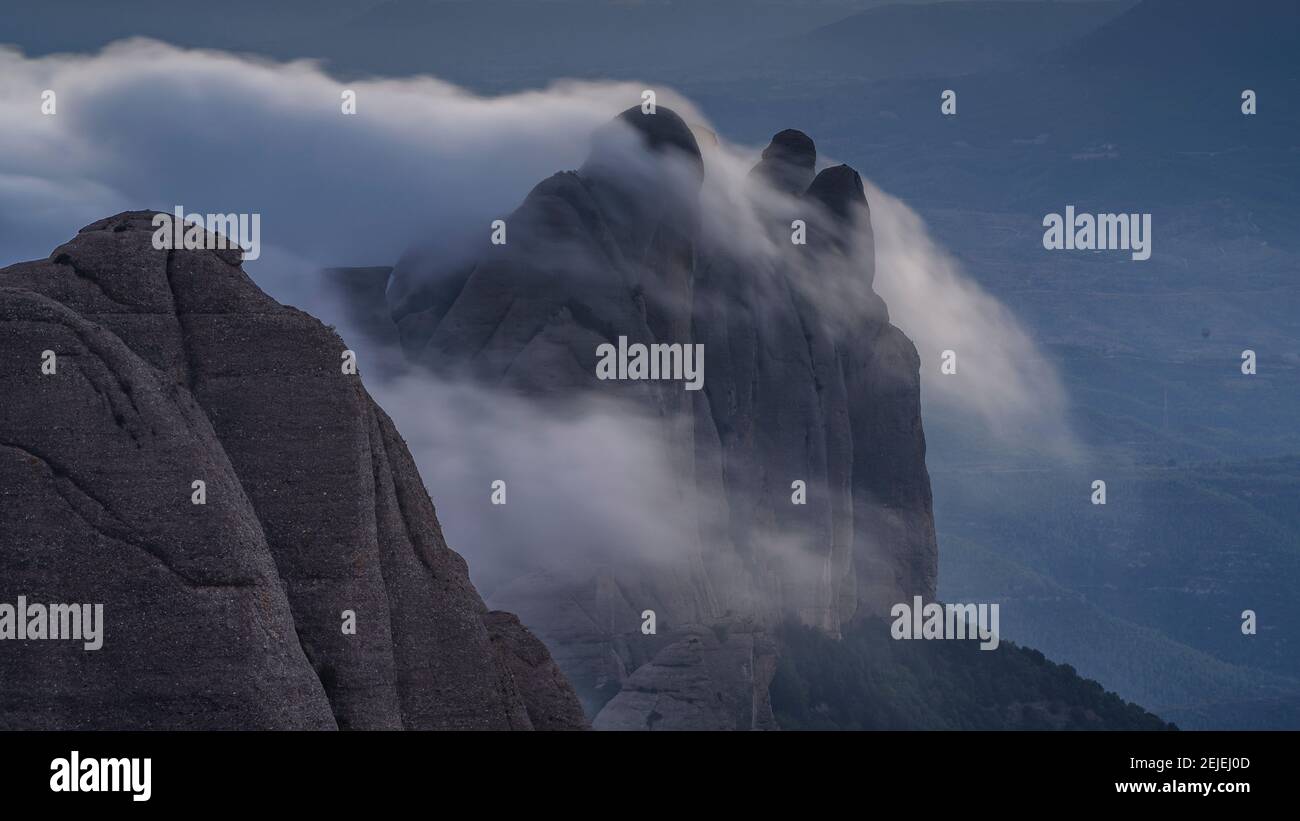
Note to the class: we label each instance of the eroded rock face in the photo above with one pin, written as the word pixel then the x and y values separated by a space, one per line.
pixel 547 695
pixel 172 366
pixel 709 678
pixel 791 391
pixel 788 162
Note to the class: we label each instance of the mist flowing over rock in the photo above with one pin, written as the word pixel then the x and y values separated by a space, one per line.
pixel 172 367
pixel 805 380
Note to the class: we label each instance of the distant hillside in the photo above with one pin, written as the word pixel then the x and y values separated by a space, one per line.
pixel 47 26
pixel 869 681
pixel 1187 686
pixel 1254 34
pixel 501 44
pixel 930 40
pixel 495 44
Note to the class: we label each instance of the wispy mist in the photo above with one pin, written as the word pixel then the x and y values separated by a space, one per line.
pixel 146 125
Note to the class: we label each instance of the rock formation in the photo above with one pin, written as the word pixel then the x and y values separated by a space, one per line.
pixel 713 679
pixel 792 391
pixel 170 368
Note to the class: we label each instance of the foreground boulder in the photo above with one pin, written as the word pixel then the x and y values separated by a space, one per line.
pixel 311 588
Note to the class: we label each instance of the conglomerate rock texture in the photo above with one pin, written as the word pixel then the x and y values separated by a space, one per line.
pixel 172 367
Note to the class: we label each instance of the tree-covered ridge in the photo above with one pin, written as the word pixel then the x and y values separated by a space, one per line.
pixel 868 681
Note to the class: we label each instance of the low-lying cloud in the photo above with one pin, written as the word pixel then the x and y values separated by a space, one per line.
pixel 143 125
pixel 146 125
pixel 1002 380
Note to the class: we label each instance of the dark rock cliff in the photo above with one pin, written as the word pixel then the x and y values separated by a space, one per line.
pixel 791 392
pixel 172 367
